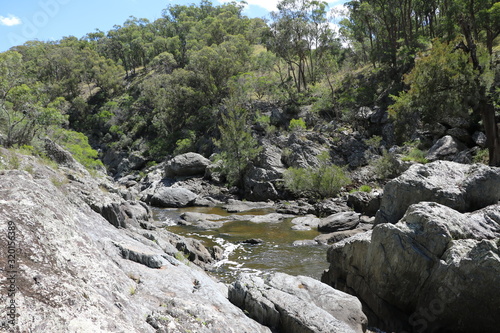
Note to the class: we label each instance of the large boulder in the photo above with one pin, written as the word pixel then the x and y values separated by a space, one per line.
pixel 464 188
pixel 339 222
pixel 446 148
pixel 172 197
pixel 365 203
pixel 297 304
pixel 436 269
pixel 189 164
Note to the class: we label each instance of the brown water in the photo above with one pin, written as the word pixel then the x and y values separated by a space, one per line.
pixel 275 254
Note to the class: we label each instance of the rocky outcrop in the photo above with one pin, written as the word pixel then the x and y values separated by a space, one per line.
pixel 76 272
pixel 189 164
pixel 172 197
pixel 305 222
pixel 464 188
pixel 436 269
pixel 297 304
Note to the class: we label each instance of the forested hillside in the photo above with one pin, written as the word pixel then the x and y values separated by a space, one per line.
pixel 204 78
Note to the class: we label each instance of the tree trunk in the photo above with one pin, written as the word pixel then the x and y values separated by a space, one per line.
pixel 487 110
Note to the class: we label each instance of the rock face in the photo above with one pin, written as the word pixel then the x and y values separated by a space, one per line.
pixel 189 164
pixel 172 197
pixel 297 304
pixel 76 272
pixel 464 188
pixel 437 269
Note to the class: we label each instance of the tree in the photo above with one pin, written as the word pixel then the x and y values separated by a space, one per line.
pixel 300 35
pixel 238 146
pixel 452 79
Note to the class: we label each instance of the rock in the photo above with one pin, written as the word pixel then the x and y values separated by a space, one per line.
pixel 235 206
pixel 331 206
pixel 461 134
pixel 259 184
pixel 189 164
pixel 295 208
pixel 339 222
pixel 170 197
pixel 462 187
pixel 435 260
pixel 479 139
pixel 335 237
pixel 306 242
pixel 305 222
pixel 269 218
pixel 74 278
pixel 297 304
pixel 446 148
pixel 365 203
pixel 253 241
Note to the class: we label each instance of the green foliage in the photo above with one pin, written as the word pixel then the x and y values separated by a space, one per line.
pixel 77 144
pixel 238 146
pixel 185 145
pixel 321 182
pixel 297 125
pixel 416 155
pixel 365 188
pixel 387 166
pixel 482 156
pixel 442 84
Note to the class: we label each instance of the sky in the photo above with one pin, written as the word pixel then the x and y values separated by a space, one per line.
pixel 46 20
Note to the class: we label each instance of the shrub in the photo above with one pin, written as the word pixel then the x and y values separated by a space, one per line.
pixel 365 188
pixel 320 182
pixel 386 166
pixel 297 125
pixel 78 145
pixel 416 155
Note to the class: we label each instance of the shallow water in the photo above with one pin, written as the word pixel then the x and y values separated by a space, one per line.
pixel 275 254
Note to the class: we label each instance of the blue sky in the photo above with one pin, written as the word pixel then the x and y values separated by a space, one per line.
pixel 44 20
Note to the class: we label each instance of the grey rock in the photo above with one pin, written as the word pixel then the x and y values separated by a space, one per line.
pixel 236 206
pixel 170 197
pixel 335 237
pixel 365 203
pixel 446 148
pixel 461 134
pixel 479 139
pixel 305 242
pixel 331 206
pixel 297 304
pixel 339 222
pixel 462 187
pixel 435 259
pixel 189 164
pixel 75 278
pixel 305 222
pixel 269 218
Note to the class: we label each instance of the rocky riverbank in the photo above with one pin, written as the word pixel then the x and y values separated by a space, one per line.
pixel 420 255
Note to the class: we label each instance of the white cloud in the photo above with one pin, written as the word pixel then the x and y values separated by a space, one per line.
pixel 10 21
pixel 269 5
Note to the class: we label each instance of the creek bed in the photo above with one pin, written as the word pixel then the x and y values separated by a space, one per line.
pixel 275 254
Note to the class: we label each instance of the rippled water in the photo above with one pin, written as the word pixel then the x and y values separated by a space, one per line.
pixel 275 254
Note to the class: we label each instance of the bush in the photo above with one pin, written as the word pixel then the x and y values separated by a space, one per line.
pixel 297 125
pixel 321 182
pixel 416 155
pixel 78 145
pixel 386 166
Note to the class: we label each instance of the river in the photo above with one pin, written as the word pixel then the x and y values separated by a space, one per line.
pixel 275 254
